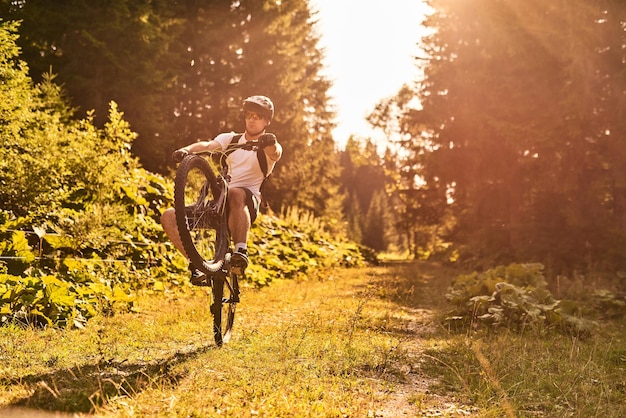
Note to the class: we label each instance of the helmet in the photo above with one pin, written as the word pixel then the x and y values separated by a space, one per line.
pixel 261 105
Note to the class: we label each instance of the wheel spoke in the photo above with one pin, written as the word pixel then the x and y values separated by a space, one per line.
pixel 201 225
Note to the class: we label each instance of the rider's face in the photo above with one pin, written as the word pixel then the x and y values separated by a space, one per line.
pixel 255 123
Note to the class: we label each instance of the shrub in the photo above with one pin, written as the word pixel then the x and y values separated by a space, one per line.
pixel 296 245
pixel 47 300
pixel 514 296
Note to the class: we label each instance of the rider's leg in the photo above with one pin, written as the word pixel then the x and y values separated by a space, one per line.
pixel 238 217
pixel 239 222
pixel 168 221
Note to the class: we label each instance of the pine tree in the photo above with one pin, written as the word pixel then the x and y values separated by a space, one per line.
pixel 180 70
pixel 515 124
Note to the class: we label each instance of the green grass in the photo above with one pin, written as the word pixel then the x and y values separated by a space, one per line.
pixel 551 375
pixel 359 343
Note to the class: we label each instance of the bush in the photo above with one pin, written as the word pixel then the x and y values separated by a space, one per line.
pixel 296 245
pixel 47 300
pixel 514 296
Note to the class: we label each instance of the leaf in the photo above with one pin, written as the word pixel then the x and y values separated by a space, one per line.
pixel 20 246
pixel 40 231
pixel 59 241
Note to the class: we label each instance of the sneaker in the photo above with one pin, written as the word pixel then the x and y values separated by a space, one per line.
pixel 197 276
pixel 239 261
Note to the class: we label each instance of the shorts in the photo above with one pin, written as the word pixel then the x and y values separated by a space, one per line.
pixel 253 203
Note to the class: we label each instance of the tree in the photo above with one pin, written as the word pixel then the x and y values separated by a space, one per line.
pixel 517 113
pixel 363 178
pixel 180 71
pixel 375 223
pixel 32 118
pixel 281 59
pixel 103 52
pixel 77 186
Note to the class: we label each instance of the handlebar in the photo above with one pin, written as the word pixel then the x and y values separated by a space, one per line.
pixel 248 145
pixel 179 155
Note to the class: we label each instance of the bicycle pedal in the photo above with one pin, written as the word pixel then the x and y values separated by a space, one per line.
pixel 231 300
pixel 202 281
pixel 198 278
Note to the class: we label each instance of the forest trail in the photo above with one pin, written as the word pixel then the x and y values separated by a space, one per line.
pixel 418 289
pixel 352 343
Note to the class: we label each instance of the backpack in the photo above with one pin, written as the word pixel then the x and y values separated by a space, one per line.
pixel 262 158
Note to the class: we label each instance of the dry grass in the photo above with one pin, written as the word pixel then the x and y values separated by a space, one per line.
pixel 360 343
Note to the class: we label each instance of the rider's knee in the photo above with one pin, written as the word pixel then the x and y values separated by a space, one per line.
pixel 237 197
pixel 168 216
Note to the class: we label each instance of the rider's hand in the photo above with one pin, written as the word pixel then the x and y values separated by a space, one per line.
pixel 267 140
pixel 179 155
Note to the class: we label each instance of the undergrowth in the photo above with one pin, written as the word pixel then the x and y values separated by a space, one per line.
pixel 517 297
pixel 350 342
pixel 70 291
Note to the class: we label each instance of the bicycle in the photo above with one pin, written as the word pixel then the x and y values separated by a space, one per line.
pixel 200 199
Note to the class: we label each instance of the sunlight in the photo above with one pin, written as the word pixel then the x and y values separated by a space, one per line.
pixel 370 53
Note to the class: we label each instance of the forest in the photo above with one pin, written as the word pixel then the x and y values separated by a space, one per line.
pixel 511 146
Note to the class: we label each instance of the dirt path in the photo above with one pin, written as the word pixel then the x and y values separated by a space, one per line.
pixel 412 294
pixel 414 397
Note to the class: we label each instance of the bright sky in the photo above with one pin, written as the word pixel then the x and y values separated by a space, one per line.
pixel 370 47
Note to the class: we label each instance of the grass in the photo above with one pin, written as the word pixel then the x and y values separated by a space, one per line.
pixel 359 343
pixel 551 375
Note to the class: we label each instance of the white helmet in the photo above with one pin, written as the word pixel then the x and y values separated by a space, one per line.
pixel 260 104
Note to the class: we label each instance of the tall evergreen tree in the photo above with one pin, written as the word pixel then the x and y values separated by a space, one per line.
pixel 180 70
pixel 374 236
pixel 364 179
pixel 516 122
pixel 281 58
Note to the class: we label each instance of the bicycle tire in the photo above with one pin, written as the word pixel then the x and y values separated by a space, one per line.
pixel 225 291
pixel 202 227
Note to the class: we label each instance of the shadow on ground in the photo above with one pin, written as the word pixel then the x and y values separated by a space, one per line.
pixel 81 388
pixel 415 284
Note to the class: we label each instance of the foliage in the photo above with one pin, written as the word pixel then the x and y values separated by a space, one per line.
pixel 48 300
pixel 514 296
pixel 180 70
pixel 367 210
pixel 69 190
pixel 101 52
pixel 297 245
pixel 608 305
pixel 516 132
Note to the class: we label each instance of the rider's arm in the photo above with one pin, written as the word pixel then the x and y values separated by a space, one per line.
pixel 216 144
pixel 274 152
pixel 203 146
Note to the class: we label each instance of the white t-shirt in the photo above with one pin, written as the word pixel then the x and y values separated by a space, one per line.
pixel 243 165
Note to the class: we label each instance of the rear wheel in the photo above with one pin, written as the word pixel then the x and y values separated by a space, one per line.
pixel 225 299
pixel 201 223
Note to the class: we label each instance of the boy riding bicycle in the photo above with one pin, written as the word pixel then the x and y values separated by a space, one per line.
pixel 247 170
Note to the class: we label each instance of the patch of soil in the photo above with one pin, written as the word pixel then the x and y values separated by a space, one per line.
pixel 412 397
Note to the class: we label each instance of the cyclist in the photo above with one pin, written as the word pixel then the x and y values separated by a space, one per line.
pixel 244 194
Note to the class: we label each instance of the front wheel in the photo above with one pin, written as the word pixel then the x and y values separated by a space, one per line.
pixel 225 291
pixel 200 219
